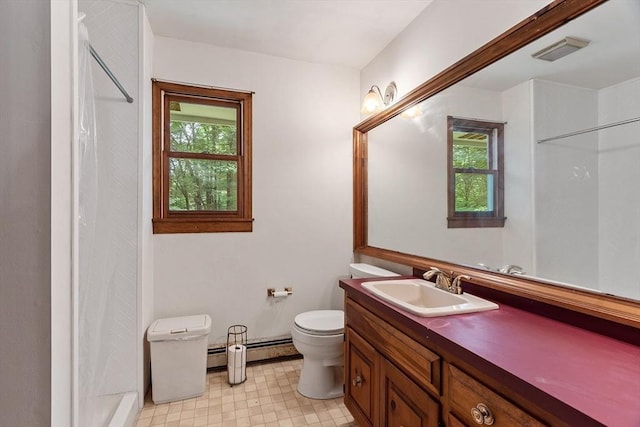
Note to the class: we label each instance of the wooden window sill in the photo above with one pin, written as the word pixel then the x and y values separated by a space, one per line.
pixel 476 222
pixel 168 226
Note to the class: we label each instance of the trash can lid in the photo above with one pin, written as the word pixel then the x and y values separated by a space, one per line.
pixel 179 328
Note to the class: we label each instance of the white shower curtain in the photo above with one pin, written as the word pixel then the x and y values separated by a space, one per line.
pixel 95 311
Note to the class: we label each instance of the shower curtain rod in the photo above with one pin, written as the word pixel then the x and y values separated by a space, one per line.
pixel 610 125
pixel 109 73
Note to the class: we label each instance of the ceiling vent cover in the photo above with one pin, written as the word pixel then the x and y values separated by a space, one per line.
pixel 561 48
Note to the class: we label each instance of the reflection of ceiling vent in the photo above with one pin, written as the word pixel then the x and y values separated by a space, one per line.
pixel 559 49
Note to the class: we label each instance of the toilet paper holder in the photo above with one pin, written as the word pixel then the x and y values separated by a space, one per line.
pixel 271 292
pixel 236 354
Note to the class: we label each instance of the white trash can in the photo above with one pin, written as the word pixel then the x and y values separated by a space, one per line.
pixel 178 357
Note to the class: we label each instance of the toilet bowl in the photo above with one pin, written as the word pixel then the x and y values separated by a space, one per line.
pixel 319 336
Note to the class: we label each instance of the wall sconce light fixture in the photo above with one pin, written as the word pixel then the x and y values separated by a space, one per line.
pixel 374 102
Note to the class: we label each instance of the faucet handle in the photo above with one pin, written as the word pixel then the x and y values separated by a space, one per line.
pixel 433 271
pixel 456 281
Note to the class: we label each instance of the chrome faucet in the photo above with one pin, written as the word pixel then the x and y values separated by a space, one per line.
pixel 445 281
pixel 511 269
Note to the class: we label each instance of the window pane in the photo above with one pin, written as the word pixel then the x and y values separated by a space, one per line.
pixel 470 150
pixel 200 128
pixel 474 192
pixel 203 185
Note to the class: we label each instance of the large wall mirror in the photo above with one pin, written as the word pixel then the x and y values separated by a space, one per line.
pixel 571 156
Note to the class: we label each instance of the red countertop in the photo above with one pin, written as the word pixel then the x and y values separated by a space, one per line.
pixel 592 373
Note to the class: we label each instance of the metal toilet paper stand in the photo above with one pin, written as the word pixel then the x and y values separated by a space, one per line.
pixel 237 354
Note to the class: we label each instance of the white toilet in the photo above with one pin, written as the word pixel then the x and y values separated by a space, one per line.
pixel 319 336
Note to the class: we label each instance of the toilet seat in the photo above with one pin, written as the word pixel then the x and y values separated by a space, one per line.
pixel 320 322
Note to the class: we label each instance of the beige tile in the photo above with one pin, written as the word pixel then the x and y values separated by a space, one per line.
pixel 336 413
pixel 158 420
pixel 270 417
pixel 311 418
pixel 324 415
pixel 174 416
pixel 162 409
pixel 175 407
pixel 268 398
pixel 201 412
pixel 286 423
pixel 200 421
pixel 243 422
pixel 146 413
pixel 190 413
pixel 242 413
pixel 143 422
pixel 255 410
pixel 299 421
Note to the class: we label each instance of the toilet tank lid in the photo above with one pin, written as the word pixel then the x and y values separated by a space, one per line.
pixel 361 270
pixel 179 328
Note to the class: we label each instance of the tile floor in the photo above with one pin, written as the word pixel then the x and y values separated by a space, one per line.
pixel 267 399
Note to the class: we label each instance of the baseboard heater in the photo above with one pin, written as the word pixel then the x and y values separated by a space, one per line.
pixel 258 350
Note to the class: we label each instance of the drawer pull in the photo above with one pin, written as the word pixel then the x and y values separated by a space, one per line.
pixel 393 405
pixel 482 414
pixel 357 381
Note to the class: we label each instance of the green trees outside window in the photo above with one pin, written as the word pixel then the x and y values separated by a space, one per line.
pixel 473 189
pixel 203 184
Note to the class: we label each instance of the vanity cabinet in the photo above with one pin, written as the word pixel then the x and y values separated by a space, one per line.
pixel 392 380
pixel 377 391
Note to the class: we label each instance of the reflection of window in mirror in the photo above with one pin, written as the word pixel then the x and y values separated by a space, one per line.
pixel 475 173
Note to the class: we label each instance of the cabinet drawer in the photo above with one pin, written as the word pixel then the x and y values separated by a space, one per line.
pixel 474 403
pixel 422 365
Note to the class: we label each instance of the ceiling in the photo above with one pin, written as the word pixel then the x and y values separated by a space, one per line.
pixel 612 56
pixel 338 32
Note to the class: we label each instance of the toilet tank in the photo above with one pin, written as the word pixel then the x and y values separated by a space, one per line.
pixel 363 271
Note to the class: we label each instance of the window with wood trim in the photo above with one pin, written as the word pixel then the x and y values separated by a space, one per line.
pixel 201 159
pixel 475 173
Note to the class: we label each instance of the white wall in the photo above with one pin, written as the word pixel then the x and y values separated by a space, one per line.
pixel 145 199
pixel 518 232
pixel 566 184
pixel 303 114
pixel 63 64
pixel 446 31
pixel 619 198
pixel 25 229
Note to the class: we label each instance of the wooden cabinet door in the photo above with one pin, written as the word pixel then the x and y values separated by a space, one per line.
pixel 402 402
pixel 360 378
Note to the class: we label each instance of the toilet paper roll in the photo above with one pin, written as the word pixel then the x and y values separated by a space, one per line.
pixel 237 363
pixel 280 294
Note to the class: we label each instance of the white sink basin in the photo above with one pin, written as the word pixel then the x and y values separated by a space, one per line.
pixel 422 298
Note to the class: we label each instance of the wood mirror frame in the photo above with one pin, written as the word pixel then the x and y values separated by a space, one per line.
pixel 609 308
